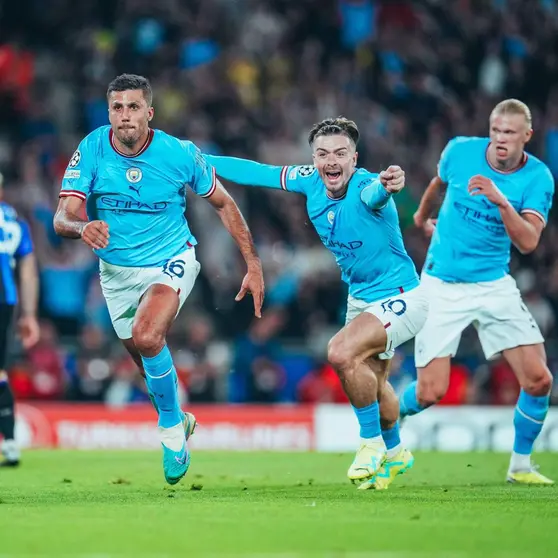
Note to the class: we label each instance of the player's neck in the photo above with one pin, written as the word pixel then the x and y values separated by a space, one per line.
pixel 131 149
pixel 508 165
pixel 340 194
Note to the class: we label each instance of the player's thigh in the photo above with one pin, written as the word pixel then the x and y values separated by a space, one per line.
pixel 180 274
pixel 401 316
pixel 529 365
pixel 504 320
pixel 124 288
pixel 166 292
pixel 156 312
pixel 451 309
pixel 6 322
pixel 363 337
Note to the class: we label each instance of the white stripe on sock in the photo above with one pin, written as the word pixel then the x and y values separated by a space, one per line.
pixel 165 374
pixel 528 417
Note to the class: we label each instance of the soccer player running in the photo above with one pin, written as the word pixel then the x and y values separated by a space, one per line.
pixel 354 214
pixel 497 194
pixel 16 255
pixel 134 180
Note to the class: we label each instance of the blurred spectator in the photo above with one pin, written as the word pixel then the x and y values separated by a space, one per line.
pixel 45 366
pixel 257 375
pixel 321 386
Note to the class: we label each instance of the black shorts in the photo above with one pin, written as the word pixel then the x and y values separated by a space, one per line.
pixel 6 316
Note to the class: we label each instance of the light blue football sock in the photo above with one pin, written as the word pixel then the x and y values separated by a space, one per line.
pixel 369 420
pixel 528 420
pixel 152 396
pixel 160 376
pixel 391 436
pixel 408 403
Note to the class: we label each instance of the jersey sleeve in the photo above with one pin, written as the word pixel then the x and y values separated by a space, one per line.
pixel 373 194
pixel 445 160
pixel 203 179
pixel 538 197
pixel 80 171
pixel 299 178
pixel 251 173
pixel 25 245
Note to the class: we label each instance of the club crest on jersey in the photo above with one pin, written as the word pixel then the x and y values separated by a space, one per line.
pixel 134 175
pixel 330 217
pixel 74 161
pixel 306 170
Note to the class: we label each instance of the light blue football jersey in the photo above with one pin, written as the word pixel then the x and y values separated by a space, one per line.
pixel 142 198
pixel 470 243
pixel 367 243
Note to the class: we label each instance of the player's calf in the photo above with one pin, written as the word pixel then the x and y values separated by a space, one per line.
pixel 430 387
pixel 348 353
pixel 154 316
pixel 529 365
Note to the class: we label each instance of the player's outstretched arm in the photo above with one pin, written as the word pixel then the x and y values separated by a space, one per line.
pixel 234 222
pixel 69 224
pixel 248 173
pixel 377 194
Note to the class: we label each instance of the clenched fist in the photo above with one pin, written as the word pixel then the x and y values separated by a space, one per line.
pixel 393 179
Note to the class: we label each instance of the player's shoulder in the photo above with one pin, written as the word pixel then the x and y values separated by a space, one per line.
pixel 364 177
pixel 459 144
pixel 90 146
pixel 9 211
pixel 96 137
pixel 537 167
pixel 168 141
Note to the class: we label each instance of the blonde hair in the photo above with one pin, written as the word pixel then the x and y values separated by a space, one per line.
pixel 513 106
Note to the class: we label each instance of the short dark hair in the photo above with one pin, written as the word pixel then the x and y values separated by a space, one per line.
pixel 131 82
pixel 335 126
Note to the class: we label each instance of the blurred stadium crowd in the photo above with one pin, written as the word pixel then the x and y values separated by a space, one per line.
pixel 248 78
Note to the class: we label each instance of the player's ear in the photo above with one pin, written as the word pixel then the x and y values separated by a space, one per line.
pixel 355 157
pixel 529 135
pixel 150 114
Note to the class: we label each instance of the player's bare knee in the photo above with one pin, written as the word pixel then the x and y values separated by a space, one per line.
pixel 429 392
pixel 147 341
pixel 340 356
pixel 539 382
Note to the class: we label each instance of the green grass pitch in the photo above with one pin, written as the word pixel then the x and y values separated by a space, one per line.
pixel 110 504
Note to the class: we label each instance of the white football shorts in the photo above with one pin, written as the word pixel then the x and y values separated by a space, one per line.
pixel 402 315
pixel 495 308
pixel 123 287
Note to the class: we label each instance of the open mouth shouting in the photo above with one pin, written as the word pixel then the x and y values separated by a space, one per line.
pixel 333 175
